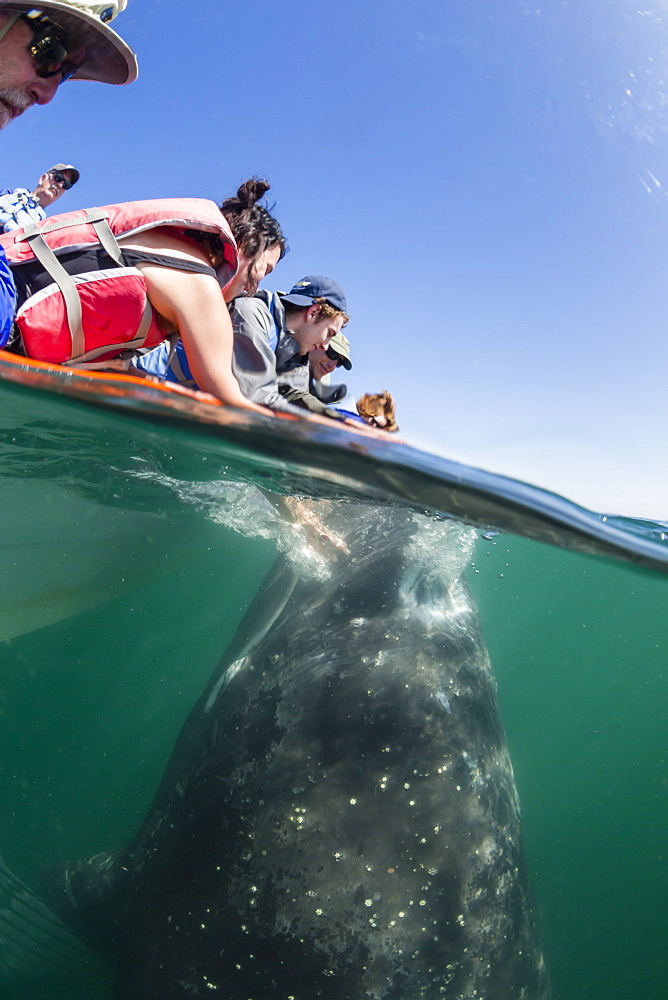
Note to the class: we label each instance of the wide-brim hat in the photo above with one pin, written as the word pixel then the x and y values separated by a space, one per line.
pixel 108 58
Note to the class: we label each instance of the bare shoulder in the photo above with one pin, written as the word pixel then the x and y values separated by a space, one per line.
pixel 166 241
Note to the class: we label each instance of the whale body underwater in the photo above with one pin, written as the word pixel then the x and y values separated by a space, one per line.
pixel 338 818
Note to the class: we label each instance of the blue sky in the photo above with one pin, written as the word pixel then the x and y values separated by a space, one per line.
pixel 485 178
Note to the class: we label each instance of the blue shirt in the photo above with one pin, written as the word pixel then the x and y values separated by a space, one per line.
pixel 18 209
pixel 156 362
pixel 7 299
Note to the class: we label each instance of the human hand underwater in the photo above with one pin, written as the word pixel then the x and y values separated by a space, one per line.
pixel 324 541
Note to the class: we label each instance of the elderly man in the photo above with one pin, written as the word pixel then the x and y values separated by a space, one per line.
pixel 19 207
pixel 42 46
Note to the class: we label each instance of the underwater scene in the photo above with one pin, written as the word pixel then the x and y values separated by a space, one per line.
pixel 238 761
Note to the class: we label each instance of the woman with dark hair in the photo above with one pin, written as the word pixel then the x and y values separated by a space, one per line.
pixel 260 245
pixel 258 236
pixel 96 286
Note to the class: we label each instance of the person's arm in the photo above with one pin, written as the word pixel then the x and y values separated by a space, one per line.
pixel 313 409
pixel 308 401
pixel 300 398
pixel 193 304
pixel 305 514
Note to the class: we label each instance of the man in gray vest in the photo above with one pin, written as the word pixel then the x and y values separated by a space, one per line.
pixel 274 332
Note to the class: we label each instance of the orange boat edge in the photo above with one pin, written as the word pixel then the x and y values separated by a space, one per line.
pixel 115 388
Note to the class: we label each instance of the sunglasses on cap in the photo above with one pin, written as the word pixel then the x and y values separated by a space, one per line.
pixel 50 50
pixel 333 356
pixel 60 179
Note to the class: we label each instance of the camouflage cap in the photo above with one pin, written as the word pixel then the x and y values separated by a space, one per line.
pixel 341 345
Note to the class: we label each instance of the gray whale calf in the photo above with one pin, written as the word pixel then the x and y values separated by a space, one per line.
pixel 338 819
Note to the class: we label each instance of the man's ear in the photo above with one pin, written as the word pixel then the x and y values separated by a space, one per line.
pixel 313 312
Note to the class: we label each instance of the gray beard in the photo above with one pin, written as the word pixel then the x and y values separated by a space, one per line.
pixel 12 98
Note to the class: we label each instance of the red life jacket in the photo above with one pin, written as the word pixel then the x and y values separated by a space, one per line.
pixel 88 318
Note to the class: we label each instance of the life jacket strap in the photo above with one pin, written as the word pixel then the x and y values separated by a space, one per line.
pixel 174 363
pixel 84 360
pixel 95 217
pixel 117 364
pixel 34 234
pixel 68 289
pixel 173 340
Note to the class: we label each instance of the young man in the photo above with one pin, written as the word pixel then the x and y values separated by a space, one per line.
pixel 20 207
pixel 40 48
pixel 274 332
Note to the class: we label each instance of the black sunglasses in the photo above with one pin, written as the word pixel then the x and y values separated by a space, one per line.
pixel 60 179
pixel 50 50
pixel 333 356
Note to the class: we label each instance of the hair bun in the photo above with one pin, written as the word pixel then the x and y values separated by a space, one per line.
pixel 252 190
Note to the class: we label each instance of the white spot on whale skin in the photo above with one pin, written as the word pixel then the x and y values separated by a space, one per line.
pixel 231 672
pixel 445 701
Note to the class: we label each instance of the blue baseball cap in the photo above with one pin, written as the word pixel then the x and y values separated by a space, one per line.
pixel 314 286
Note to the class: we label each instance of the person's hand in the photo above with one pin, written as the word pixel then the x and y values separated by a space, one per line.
pixel 207 397
pixel 323 540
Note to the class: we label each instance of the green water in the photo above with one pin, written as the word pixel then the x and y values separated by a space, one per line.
pixel 580 647
pixel 91 703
